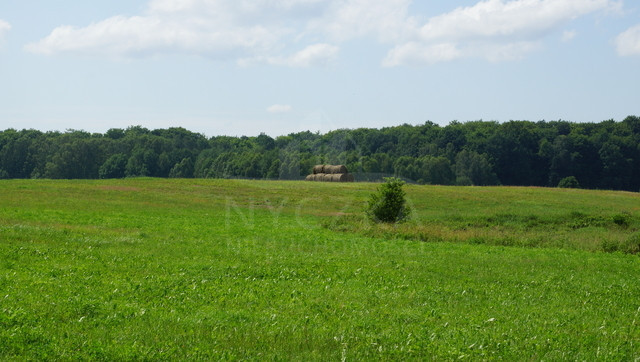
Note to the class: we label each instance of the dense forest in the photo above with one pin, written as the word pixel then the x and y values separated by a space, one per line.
pixel 603 155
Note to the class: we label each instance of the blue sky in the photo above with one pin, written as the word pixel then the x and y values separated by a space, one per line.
pixel 242 67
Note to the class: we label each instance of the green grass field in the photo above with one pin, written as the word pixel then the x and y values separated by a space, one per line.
pixel 224 269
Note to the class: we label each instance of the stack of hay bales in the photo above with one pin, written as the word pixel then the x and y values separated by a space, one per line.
pixel 330 173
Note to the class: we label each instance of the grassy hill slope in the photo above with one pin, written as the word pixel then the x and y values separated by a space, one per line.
pixel 159 269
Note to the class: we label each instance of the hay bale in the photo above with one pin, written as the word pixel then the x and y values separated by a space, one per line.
pixel 335 169
pixel 318 169
pixel 331 177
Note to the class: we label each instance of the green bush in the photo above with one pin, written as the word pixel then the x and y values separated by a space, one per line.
pixel 569 183
pixel 388 204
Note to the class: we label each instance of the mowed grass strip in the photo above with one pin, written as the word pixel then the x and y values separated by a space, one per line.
pixel 197 269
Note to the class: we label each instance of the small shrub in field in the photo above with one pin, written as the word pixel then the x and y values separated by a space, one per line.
pixel 388 204
pixel 569 183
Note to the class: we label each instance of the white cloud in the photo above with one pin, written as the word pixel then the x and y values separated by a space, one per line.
pixel 225 29
pixel 492 29
pixel 249 31
pixel 274 31
pixel 279 108
pixel 316 55
pixel 415 53
pixel 510 19
pixel 4 29
pixel 386 20
pixel 313 55
pixel 628 43
pixel 145 35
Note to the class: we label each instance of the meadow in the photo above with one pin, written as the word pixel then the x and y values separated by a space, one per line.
pixel 236 269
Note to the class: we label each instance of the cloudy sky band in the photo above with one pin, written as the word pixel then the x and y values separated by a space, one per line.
pixel 263 32
pixel 247 66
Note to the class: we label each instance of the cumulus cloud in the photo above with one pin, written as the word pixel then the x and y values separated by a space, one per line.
pixel 305 33
pixel 279 108
pixel 628 43
pixel 121 36
pixel 509 19
pixel 247 31
pixel 491 29
pixel 415 53
pixel 225 29
pixel 313 55
pixel 4 29
pixel 385 20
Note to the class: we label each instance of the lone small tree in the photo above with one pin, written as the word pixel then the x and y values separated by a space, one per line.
pixel 388 204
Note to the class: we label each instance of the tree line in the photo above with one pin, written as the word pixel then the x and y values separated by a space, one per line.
pixel 604 155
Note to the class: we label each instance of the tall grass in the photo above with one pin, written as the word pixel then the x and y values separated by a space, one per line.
pixel 512 216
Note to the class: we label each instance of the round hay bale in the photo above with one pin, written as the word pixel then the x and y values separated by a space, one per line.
pixel 335 169
pixel 336 177
pixel 318 169
pixel 327 177
pixel 318 177
pixel 309 178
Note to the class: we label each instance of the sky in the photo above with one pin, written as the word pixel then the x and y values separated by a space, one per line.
pixel 245 67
